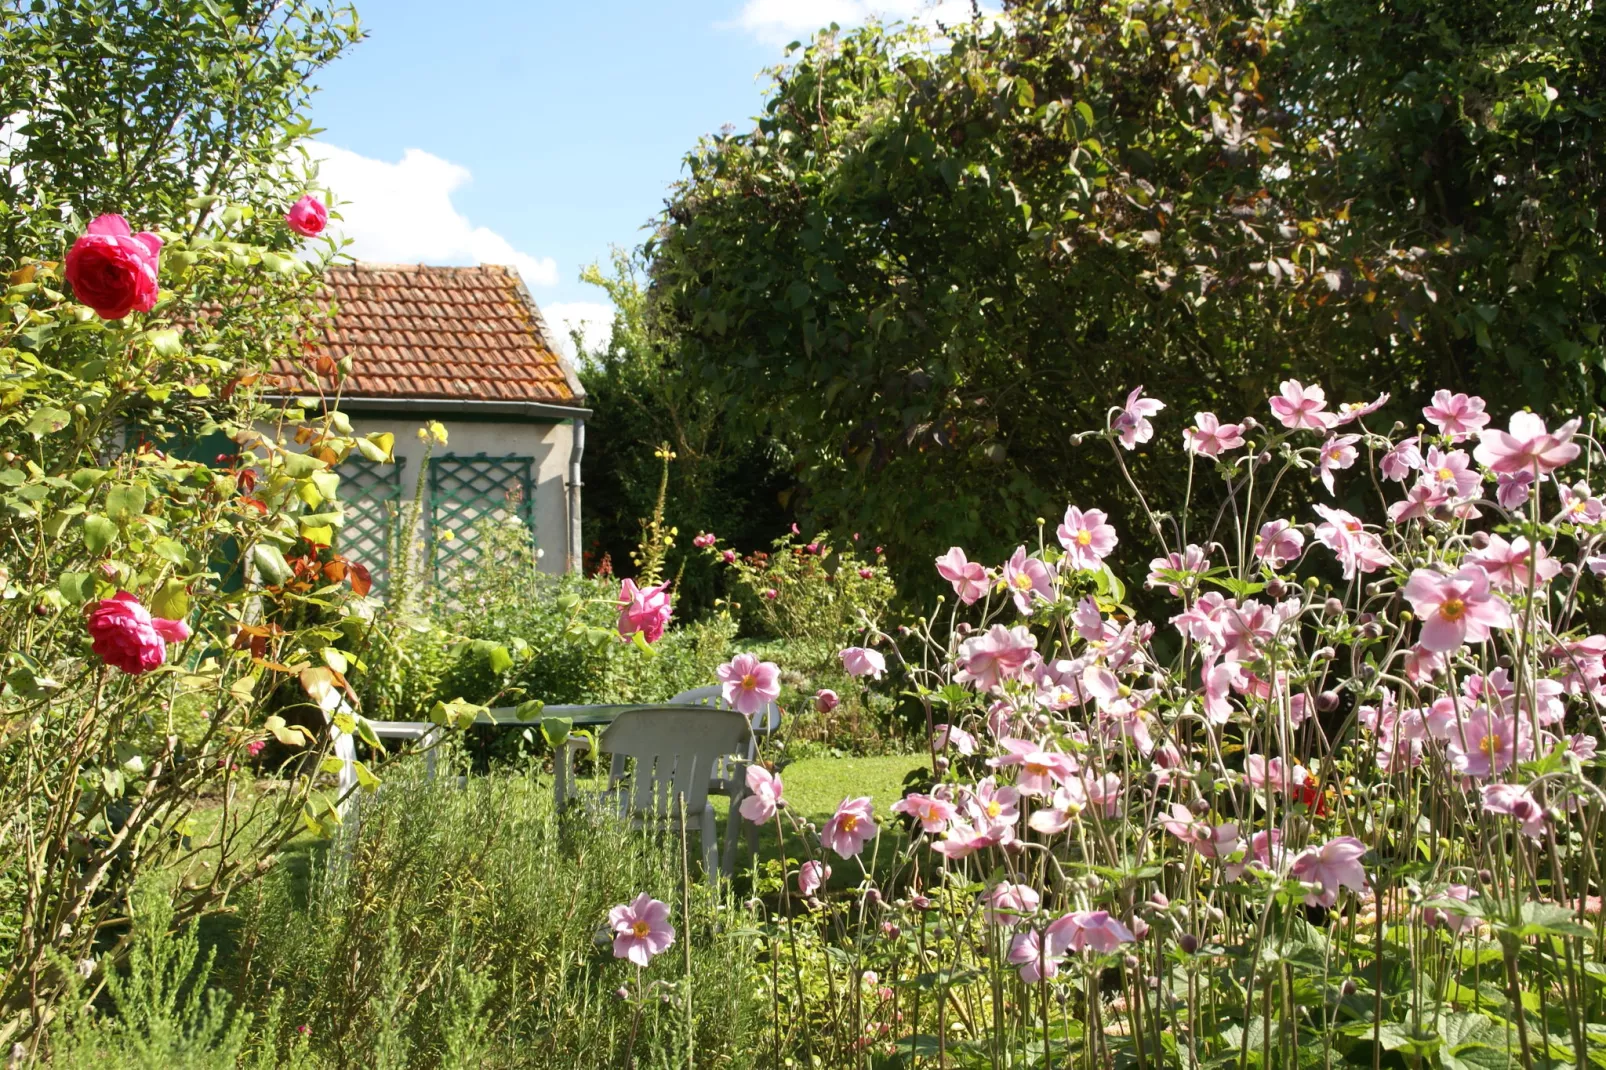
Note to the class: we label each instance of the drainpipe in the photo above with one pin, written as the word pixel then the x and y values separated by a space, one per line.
pixel 577 449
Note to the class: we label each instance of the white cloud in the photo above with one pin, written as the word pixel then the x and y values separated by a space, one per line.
pixel 592 319
pixel 402 213
pixel 781 21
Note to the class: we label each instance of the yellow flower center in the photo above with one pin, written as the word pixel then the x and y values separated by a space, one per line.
pixel 1453 609
pixel 1022 580
pixel 1579 506
pixel 994 808
pixel 640 929
pixel 1446 475
pixel 1035 769
pixel 849 822
pixel 931 814
pixel 749 682
pixel 1084 538
pixel 1491 745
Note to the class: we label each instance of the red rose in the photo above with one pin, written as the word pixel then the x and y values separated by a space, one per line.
pixel 113 270
pixel 127 637
pixel 307 216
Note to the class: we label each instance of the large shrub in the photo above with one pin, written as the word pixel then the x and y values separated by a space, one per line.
pixel 643 402
pixel 923 262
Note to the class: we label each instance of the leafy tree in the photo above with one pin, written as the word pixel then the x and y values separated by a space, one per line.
pixel 924 264
pixel 643 399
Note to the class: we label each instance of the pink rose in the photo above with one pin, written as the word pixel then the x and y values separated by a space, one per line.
pixel 647 612
pixel 307 216
pixel 113 270
pixel 127 637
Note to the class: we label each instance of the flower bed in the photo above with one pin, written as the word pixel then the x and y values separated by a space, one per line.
pixel 1339 807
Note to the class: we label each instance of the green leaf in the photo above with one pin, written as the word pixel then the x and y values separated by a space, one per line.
pixel 166 343
pixel 270 563
pixel 556 729
pixel 47 421
pixel 99 533
pixel 1549 919
pixel 170 550
pixel 171 601
pixel 641 644
pixel 365 777
pixel 76 587
pixel 125 501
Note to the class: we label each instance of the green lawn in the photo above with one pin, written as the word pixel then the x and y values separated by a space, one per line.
pixel 814 786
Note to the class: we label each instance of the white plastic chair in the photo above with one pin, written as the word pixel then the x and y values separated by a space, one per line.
pixel 676 752
pixel 766 722
pixel 730 778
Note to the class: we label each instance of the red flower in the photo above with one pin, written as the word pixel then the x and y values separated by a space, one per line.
pixel 307 216
pixel 127 637
pixel 113 270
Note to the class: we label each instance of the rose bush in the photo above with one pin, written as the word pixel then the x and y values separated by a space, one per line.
pixel 163 603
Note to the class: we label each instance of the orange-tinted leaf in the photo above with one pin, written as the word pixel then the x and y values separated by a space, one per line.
pixel 361 581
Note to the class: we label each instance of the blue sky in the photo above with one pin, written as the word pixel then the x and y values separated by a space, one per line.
pixel 541 133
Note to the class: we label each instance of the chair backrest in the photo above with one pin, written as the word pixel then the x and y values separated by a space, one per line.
pixel 767 721
pixel 677 752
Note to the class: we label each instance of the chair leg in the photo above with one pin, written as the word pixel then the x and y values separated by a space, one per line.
pixel 711 859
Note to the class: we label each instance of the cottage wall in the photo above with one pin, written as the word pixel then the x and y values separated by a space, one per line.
pixel 548 443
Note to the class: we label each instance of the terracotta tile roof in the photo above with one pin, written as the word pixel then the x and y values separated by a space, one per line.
pixel 463 333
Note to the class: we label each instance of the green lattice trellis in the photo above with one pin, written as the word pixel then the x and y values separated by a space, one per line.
pixel 463 491
pixel 371 495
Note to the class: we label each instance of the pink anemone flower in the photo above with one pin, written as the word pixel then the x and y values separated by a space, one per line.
pixel 1299 407
pixel 641 929
pixel 1456 415
pixel 1278 543
pixel 1037 963
pixel 932 813
pixel 1088 537
pixel 1455 609
pixel 1335 864
pixel 763 795
pixel 811 875
pixel 1517 802
pixel 968 577
pixel 1526 446
pixel 1208 436
pixel 1028 579
pixel 1006 903
pixel 1087 930
pixel 862 661
pixel 749 684
pixel 1132 423
pixel 850 827
pixel 1211 841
